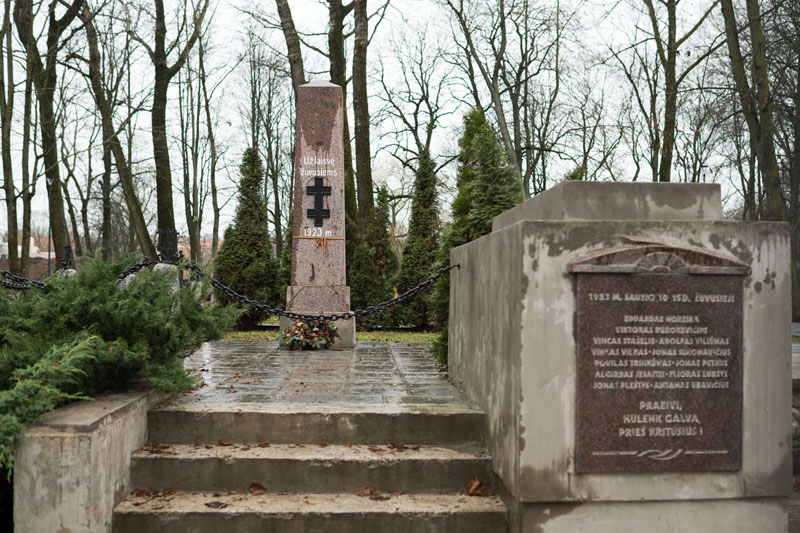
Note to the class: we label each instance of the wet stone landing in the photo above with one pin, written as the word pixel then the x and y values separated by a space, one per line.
pixel 372 373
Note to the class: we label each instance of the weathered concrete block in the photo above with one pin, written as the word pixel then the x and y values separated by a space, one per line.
pixel 594 200
pixel 513 351
pixel 73 467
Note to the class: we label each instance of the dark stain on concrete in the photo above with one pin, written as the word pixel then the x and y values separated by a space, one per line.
pixel 778 482
pixel 537 516
pixel 757 286
pixel 548 482
pixel 769 279
pixel 675 200
pixel 532 254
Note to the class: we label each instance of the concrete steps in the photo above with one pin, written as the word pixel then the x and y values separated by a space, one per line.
pixel 310 513
pixel 279 467
pixel 292 468
pixel 316 424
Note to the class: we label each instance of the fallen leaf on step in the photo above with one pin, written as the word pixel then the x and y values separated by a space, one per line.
pixel 372 494
pixel 238 412
pixel 223 443
pixel 399 447
pixel 216 505
pixel 247 382
pixel 324 445
pixel 256 489
pixel 157 448
pixel 236 376
pixel 475 488
pixel 308 502
pixel 263 445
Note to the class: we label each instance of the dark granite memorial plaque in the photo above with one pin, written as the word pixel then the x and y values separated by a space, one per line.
pixel 659 362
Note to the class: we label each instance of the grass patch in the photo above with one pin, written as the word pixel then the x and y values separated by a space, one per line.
pixel 795 339
pixel 258 335
pixel 396 336
pixel 364 336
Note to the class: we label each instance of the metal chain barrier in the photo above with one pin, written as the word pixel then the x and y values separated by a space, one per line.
pixel 266 308
pixel 20 283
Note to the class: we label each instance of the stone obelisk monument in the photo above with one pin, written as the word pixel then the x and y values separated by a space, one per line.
pixel 318 283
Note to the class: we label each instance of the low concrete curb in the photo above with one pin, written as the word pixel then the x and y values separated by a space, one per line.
pixel 73 467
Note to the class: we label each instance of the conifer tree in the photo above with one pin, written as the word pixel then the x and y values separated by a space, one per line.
pixel 244 261
pixel 487 186
pixel 421 247
pixel 373 265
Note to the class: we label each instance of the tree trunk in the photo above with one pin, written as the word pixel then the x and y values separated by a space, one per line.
pixel 76 235
pixel 366 203
pixel 27 186
pixel 671 97
pixel 213 150
pixel 6 116
pixel 294 53
pixel 106 193
pixel 338 70
pixel 794 183
pixel 164 210
pixel 184 87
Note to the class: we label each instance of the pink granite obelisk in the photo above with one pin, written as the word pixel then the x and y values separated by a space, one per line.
pixel 318 283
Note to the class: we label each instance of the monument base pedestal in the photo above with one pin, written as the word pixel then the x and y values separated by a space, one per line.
pixel 347 332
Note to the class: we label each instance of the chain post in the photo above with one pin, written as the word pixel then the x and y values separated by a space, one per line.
pixel 168 246
pixel 67 262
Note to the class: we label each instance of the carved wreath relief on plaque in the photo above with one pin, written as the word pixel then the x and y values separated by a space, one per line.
pixel 659 362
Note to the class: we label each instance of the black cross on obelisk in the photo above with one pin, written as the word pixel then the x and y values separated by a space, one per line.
pixel 319 191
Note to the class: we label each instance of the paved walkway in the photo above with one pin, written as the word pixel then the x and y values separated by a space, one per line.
pixel 372 373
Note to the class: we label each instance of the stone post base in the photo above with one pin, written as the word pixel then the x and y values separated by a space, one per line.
pixel 347 332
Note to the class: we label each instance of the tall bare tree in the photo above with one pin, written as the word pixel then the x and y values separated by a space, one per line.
pixel 513 49
pixel 757 104
pixel 101 92
pixel 6 116
pixel 212 146
pixel 45 80
pixel 366 203
pixel 668 51
pixel 164 72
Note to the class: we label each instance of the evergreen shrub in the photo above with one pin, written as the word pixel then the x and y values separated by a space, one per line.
pixel 373 266
pixel 421 247
pixel 487 186
pixel 244 261
pixel 84 335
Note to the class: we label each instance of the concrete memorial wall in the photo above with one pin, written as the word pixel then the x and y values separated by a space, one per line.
pixel 631 351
